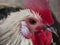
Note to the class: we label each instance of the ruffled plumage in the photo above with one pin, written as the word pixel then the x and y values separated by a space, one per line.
pixel 10 33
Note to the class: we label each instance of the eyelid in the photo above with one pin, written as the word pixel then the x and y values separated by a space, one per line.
pixel 32 21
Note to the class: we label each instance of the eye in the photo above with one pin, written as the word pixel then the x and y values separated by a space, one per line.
pixel 32 21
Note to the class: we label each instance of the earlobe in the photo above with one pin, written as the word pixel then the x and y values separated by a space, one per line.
pixel 25 31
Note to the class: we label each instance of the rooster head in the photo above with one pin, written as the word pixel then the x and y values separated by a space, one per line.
pixel 32 23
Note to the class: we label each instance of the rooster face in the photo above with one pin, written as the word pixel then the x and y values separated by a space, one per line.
pixel 33 24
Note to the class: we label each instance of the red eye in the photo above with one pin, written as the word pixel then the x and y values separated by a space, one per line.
pixel 32 21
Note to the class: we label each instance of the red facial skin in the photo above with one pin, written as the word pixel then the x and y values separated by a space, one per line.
pixel 33 27
pixel 39 36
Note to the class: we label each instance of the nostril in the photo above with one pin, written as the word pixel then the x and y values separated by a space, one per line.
pixel 32 21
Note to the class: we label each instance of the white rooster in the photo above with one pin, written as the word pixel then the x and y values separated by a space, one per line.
pixel 24 26
pixel 10 31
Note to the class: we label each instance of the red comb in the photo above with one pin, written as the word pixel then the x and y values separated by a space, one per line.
pixel 42 7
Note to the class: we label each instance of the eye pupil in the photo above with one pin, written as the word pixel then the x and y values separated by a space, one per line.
pixel 32 21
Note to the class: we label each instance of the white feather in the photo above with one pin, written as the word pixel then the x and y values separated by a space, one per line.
pixel 9 30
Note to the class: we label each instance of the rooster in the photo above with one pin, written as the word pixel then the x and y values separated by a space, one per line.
pixel 26 26
pixel 19 28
